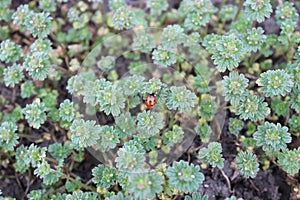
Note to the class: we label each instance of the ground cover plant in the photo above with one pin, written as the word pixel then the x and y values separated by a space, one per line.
pixel 149 99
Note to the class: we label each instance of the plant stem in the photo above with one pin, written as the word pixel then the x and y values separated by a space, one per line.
pixel 239 10
pixel 28 136
pixel 84 186
pixel 51 160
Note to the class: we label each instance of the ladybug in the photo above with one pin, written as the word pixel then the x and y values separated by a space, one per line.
pixel 150 101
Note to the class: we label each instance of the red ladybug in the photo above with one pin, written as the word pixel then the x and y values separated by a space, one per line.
pixel 150 101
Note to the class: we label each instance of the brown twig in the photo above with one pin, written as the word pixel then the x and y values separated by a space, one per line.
pixel 227 180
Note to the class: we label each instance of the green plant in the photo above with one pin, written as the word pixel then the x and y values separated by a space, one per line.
pixel 204 131
pixel 196 196
pixel 85 133
pixel 280 107
pixel 157 6
pixel 252 107
pixel 35 113
pixel 145 185
pixel 258 10
pixel 184 177
pixel 228 52
pixel 234 87
pixel 8 137
pixel 124 18
pixel 294 124
pixel 9 51
pixel 66 110
pixel 76 78
pixel 235 125
pixel 13 75
pixel 275 82
pixel 163 56
pixel 37 65
pixel 289 160
pixel 212 155
pixel 254 39
pixel 27 89
pixel 272 137
pixel 181 98
pixel 104 176
pixel 247 163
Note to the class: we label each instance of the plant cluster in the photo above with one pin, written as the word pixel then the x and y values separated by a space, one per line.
pixel 76 77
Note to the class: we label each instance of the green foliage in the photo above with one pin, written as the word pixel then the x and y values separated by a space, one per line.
pixel 143 41
pixel 124 18
pixel 8 137
pixel 38 24
pixel 66 110
pixel 227 52
pixel 252 107
pixel 37 194
pixel 235 125
pixel 13 75
pixel 181 99
pixel 9 51
pixel 27 89
pixel 204 131
pixel 295 100
pixel 41 45
pixel 212 155
pixel 286 12
pixel 104 176
pixel 228 12
pixel 196 13
pixel 47 5
pixel 294 124
pixel 79 195
pixel 171 36
pixel 28 155
pixel 118 196
pixel 258 10
pixel 116 4
pixel 45 50
pixel 170 138
pixel 149 123
pixel 157 6
pixel 37 65
pixel 254 39
pixel 145 185
pixel 111 100
pixel 272 137
pixel 233 198
pixel 20 15
pixel 196 196
pixel 106 63
pixel 207 108
pixel 108 139
pixel 132 85
pixel 85 133
pixel 59 151
pixel 247 163
pixel 289 160
pixel 234 87
pixel 130 157
pixel 200 83
pixel 280 107
pixel 275 82
pixel 125 125
pixel 164 57
pixel 35 113
pixel 184 177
